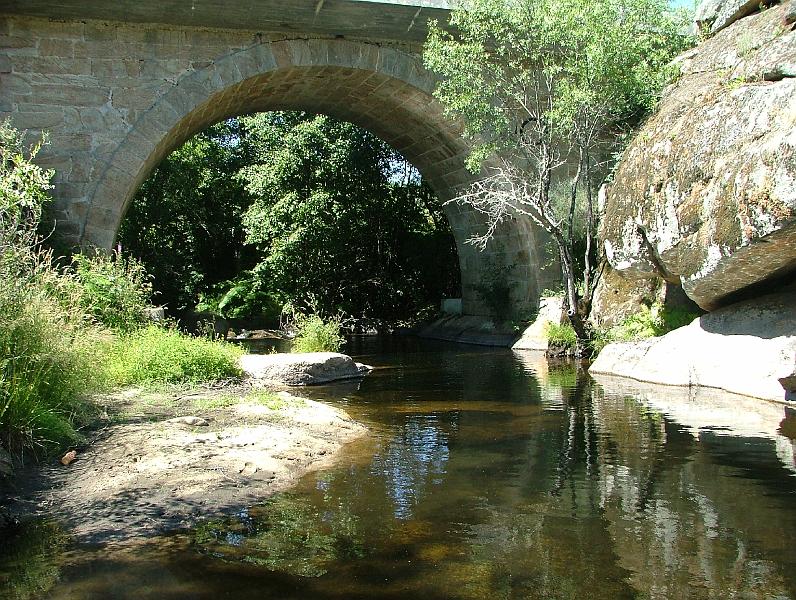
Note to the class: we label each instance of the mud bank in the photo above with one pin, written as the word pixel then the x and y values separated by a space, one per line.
pixel 167 458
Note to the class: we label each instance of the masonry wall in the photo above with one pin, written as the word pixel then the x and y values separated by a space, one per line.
pixel 116 98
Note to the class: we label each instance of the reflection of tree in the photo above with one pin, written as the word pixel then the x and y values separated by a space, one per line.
pixel 286 534
pixel 29 560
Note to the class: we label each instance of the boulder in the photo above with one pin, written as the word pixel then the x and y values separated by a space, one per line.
pixel 714 15
pixel 748 348
pixel 309 368
pixel 551 310
pixel 705 194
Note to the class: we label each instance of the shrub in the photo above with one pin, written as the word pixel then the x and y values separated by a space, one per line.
pixel 649 321
pixel 561 335
pixel 115 291
pixel 156 354
pixel 48 354
pixel 317 335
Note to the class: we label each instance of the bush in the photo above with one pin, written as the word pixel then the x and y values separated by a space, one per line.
pixel 156 354
pixel 317 335
pixel 561 336
pixel 115 291
pixel 48 354
pixel 649 321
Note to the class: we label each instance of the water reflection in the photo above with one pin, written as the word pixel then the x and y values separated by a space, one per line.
pixel 492 474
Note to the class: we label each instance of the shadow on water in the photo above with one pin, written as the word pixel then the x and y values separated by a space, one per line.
pixel 489 474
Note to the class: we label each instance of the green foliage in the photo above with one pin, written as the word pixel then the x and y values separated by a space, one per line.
pixel 184 224
pixel 604 61
pixel 48 353
pixel 561 335
pixel 333 217
pixel 316 335
pixel 113 290
pixel 343 223
pixel 545 90
pixel 649 321
pixel 244 296
pixel 157 354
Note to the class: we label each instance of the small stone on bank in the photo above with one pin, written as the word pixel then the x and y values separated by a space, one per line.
pixel 194 421
pixel 67 458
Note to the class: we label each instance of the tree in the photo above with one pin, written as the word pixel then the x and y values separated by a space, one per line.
pixel 546 91
pixel 289 207
pixel 184 223
pixel 343 222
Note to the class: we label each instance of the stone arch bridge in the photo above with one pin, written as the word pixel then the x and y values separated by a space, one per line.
pixel 119 85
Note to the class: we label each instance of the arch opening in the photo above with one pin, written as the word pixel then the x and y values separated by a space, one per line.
pixel 383 90
pixel 292 209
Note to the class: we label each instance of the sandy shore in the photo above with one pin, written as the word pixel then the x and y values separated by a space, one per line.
pixel 166 458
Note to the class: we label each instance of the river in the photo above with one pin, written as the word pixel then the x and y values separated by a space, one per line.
pixel 487 474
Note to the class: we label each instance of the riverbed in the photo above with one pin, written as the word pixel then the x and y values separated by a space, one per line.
pixel 486 473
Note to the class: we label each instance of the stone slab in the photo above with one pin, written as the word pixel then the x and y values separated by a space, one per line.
pixel 308 368
pixel 747 348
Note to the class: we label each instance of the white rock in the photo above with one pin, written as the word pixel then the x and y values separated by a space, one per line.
pixel 747 348
pixel 307 368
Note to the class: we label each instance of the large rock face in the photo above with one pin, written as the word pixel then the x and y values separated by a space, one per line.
pixel 706 193
pixel 747 348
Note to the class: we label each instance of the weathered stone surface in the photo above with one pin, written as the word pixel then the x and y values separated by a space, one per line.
pixel 470 329
pixel 307 368
pixel 551 310
pixel 747 348
pixel 714 15
pixel 790 13
pixel 706 192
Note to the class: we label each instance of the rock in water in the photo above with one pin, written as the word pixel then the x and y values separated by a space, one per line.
pixel 748 348
pixel 705 194
pixel 307 368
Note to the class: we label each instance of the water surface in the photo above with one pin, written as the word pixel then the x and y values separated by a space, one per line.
pixel 487 474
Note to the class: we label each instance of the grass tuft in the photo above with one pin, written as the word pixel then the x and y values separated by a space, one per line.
pixel 156 354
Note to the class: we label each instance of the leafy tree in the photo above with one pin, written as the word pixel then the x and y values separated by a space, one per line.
pixel 344 224
pixel 547 90
pixel 184 223
pixel 285 207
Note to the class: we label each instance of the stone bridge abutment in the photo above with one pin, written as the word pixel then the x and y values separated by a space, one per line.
pixel 116 98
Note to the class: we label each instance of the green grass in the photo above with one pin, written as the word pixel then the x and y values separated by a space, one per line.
pixel 157 354
pixel 266 398
pixel 50 361
pixel 649 321
pixel 562 335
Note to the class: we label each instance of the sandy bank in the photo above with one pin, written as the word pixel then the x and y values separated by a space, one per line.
pixel 147 472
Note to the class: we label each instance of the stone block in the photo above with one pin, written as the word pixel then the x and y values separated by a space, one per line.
pixel 72 95
pixel 96 31
pixel 12 83
pixel 57 48
pixel 37 120
pixel 98 237
pixel 11 43
pixel 46 65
